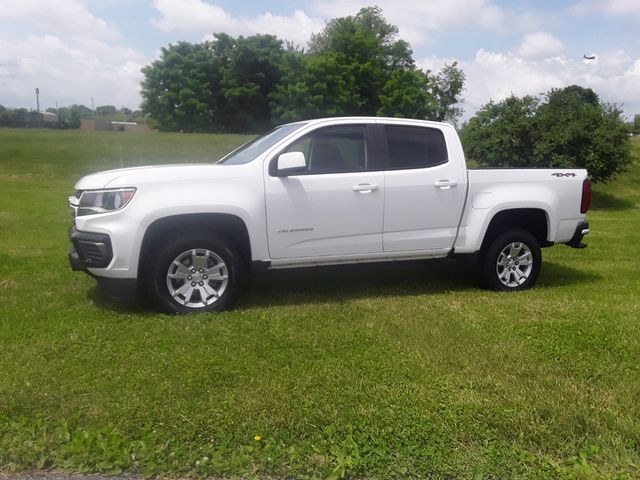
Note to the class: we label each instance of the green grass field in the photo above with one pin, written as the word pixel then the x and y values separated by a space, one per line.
pixel 402 370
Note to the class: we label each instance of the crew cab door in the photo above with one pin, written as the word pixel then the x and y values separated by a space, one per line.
pixel 425 187
pixel 334 206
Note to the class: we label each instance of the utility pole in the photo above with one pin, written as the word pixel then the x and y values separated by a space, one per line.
pixel 38 105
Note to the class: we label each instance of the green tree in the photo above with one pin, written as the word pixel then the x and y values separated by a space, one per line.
pixel 4 116
pixel 69 119
pixel 18 117
pixel 106 111
pixel 355 66
pixel 81 110
pixel 446 90
pixel 254 68
pixel 182 89
pixel 571 128
pixel 221 85
pixel 576 129
pixel 75 119
pixel 346 69
pixel 502 134
pixel 367 37
pixel 410 92
pixel 406 94
pixel 319 86
pixel 358 66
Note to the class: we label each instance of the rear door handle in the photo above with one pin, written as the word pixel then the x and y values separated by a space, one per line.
pixel 445 184
pixel 365 187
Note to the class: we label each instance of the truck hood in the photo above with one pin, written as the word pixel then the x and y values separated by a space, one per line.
pixel 136 176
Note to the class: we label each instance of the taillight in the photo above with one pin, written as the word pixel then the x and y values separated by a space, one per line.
pixel 586 196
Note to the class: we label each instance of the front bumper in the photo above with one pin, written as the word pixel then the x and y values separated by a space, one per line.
pixel 576 241
pixel 89 250
pixel 74 260
pixel 93 250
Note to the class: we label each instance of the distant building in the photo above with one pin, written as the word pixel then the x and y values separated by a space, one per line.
pixel 130 127
pixel 95 125
pixel 100 125
pixel 43 118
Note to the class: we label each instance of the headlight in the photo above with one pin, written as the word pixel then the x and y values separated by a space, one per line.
pixel 102 201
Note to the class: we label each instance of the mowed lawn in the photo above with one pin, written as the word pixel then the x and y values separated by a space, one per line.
pixel 377 371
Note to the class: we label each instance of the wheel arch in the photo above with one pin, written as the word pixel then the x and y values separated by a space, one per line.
pixel 227 225
pixel 533 220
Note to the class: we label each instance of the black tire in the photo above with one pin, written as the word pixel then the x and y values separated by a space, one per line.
pixel 510 262
pixel 201 257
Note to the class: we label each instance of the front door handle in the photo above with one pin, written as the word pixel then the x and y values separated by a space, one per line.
pixel 445 184
pixel 365 187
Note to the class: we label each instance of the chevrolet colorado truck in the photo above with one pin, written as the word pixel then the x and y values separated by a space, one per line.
pixel 319 192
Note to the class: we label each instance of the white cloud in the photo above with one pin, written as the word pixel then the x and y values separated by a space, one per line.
pixel 188 15
pixel 68 71
pixel 540 45
pixel 635 69
pixel 614 76
pixel 61 16
pixel 67 52
pixel 623 8
pixel 201 18
pixel 418 20
pixel 434 63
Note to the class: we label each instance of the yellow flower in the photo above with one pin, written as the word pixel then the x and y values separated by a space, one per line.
pixel 257 438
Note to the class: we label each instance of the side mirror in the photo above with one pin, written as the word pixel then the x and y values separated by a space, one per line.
pixel 290 163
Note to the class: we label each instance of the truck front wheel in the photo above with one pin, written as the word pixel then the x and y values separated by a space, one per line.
pixel 196 274
pixel 510 262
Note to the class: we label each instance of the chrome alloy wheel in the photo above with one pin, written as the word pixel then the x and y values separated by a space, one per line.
pixel 197 278
pixel 514 265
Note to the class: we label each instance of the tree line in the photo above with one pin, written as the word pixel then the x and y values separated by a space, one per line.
pixel 67 117
pixel 356 65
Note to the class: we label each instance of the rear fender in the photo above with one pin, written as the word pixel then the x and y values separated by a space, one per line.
pixel 486 205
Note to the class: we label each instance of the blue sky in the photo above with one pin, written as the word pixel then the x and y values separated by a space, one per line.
pixel 76 50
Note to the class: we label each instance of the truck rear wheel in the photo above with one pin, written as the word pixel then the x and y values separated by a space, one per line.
pixel 510 262
pixel 196 274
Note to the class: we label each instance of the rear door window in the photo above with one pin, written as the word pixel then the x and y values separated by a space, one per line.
pixel 415 147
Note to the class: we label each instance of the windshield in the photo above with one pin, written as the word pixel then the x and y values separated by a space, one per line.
pixel 252 149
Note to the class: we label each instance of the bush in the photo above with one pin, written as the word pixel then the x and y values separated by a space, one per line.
pixel 571 128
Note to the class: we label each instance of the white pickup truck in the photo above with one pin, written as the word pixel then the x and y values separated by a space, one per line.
pixel 319 192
